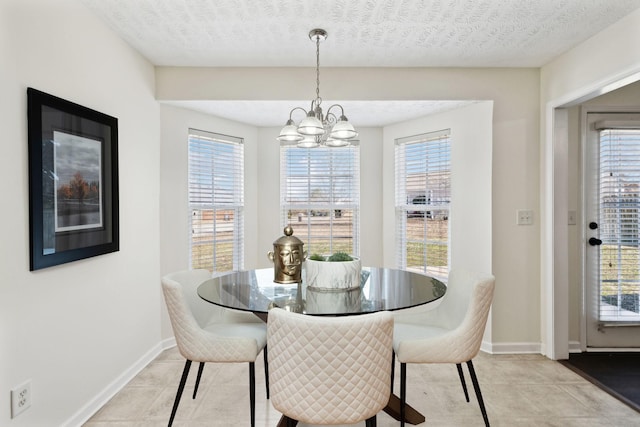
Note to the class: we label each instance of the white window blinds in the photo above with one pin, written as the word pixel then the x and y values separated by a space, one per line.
pixel 216 201
pixel 320 197
pixel 619 186
pixel 423 195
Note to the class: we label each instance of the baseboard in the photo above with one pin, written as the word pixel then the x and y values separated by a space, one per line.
pixel 523 347
pixel 511 348
pixel 105 395
pixel 575 347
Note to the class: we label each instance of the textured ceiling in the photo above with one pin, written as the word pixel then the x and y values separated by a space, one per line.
pixel 372 33
pixel 368 33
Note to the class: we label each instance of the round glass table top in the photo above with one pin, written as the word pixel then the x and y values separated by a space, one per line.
pixel 380 289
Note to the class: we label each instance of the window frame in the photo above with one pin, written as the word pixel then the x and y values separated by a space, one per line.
pixel 225 154
pixel 423 194
pixel 341 211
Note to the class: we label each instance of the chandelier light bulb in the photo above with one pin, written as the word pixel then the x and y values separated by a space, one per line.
pixel 308 142
pixel 343 130
pixel 332 142
pixel 289 133
pixel 310 125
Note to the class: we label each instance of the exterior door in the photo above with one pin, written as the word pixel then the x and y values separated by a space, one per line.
pixel 612 230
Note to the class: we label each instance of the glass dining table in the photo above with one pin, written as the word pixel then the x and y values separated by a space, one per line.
pixel 380 289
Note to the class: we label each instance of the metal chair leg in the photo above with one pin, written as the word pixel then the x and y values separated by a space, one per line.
pixel 183 380
pixel 403 392
pixel 393 368
pixel 266 370
pixel 252 392
pixel 195 389
pixel 476 386
pixel 462 381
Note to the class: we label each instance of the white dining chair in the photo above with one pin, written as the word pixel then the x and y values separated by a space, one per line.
pixel 207 333
pixel 450 333
pixel 329 370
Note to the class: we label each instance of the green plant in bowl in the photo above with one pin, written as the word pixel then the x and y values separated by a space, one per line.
pixel 340 257
pixel 339 271
pixel 316 257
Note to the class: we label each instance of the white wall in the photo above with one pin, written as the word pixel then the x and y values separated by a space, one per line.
pixel 605 62
pixel 512 159
pixel 76 328
pixel 609 56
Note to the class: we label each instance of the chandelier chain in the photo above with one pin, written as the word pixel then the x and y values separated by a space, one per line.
pixel 318 67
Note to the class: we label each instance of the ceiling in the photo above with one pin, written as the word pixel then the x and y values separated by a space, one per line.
pixel 361 33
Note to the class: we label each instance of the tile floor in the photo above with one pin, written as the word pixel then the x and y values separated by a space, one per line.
pixel 518 390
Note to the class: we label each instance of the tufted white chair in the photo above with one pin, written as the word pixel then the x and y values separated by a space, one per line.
pixel 329 370
pixel 450 333
pixel 207 333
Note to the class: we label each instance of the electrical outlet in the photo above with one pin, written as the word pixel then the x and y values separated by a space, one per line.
pixel 524 217
pixel 20 398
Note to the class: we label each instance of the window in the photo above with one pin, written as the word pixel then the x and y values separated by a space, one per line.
pixel 423 195
pixel 216 201
pixel 320 197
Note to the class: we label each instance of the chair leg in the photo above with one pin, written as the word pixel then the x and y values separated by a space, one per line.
pixel 291 422
pixel 403 392
pixel 195 389
pixel 476 386
pixel 393 368
pixel 462 381
pixel 183 380
pixel 371 422
pixel 266 370
pixel 252 392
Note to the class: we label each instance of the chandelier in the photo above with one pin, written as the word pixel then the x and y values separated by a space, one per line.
pixel 316 128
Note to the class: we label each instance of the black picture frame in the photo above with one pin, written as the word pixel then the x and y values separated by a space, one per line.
pixel 73 181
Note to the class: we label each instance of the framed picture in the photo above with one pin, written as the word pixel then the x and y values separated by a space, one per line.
pixel 73 181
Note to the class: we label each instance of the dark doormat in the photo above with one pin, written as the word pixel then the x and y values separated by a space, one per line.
pixel 616 373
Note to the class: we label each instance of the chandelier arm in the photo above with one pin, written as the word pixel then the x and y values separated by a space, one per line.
pixel 296 108
pixel 339 106
pixel 331 118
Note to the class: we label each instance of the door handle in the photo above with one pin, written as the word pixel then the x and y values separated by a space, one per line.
pixel 593 241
